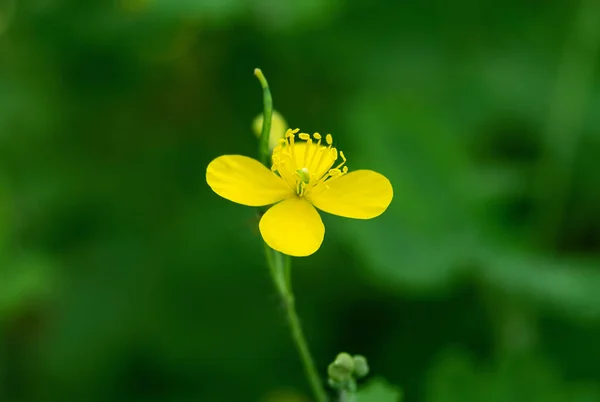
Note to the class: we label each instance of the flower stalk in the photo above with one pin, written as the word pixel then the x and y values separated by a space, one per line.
pixel 280 264
pixel 345 396
pixel 263 143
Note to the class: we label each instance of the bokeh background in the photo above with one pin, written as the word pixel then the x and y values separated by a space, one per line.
pixel 124 278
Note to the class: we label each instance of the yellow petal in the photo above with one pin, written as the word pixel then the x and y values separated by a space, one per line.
pixel 245 181
pixel 293 227
pixel 362 194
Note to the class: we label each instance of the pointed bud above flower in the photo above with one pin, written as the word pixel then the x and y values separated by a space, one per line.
pixel 278 128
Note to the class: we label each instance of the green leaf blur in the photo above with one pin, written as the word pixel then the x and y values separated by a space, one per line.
pixel 378 390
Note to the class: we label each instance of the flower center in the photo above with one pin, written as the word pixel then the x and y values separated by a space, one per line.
pixel 307 164
pixel 304 175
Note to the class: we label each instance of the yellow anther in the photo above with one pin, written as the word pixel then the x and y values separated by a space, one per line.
pixel 308 173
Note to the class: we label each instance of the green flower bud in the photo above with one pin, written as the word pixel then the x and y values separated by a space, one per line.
pixel 335 384
pixel 344 361
pixel 341 369
pixel 361 367
pixel 278 128
pixel 338 374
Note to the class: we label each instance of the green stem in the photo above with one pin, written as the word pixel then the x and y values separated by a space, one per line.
pixel 280 264
pixel 263 143
pixel 302 346
pixel 309 365
pixel 346 396
pixel 279 267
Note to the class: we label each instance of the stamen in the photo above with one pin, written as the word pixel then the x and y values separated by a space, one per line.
pixel 331 175
pixel 314 154
pixel 340 165
pixel 343 161
pixel 316 159
pixel 289 133
pixel 329 140
pixel 308 149
pixel 322 180
pixel 291 144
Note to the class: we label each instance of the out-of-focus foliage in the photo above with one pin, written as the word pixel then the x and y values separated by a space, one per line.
pixel 124 278
pixel 378 390
pixel 456 378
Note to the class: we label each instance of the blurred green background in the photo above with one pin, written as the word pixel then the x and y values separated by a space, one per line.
pixel 124 278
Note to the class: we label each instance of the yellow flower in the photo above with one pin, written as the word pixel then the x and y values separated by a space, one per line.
pixel 303 176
